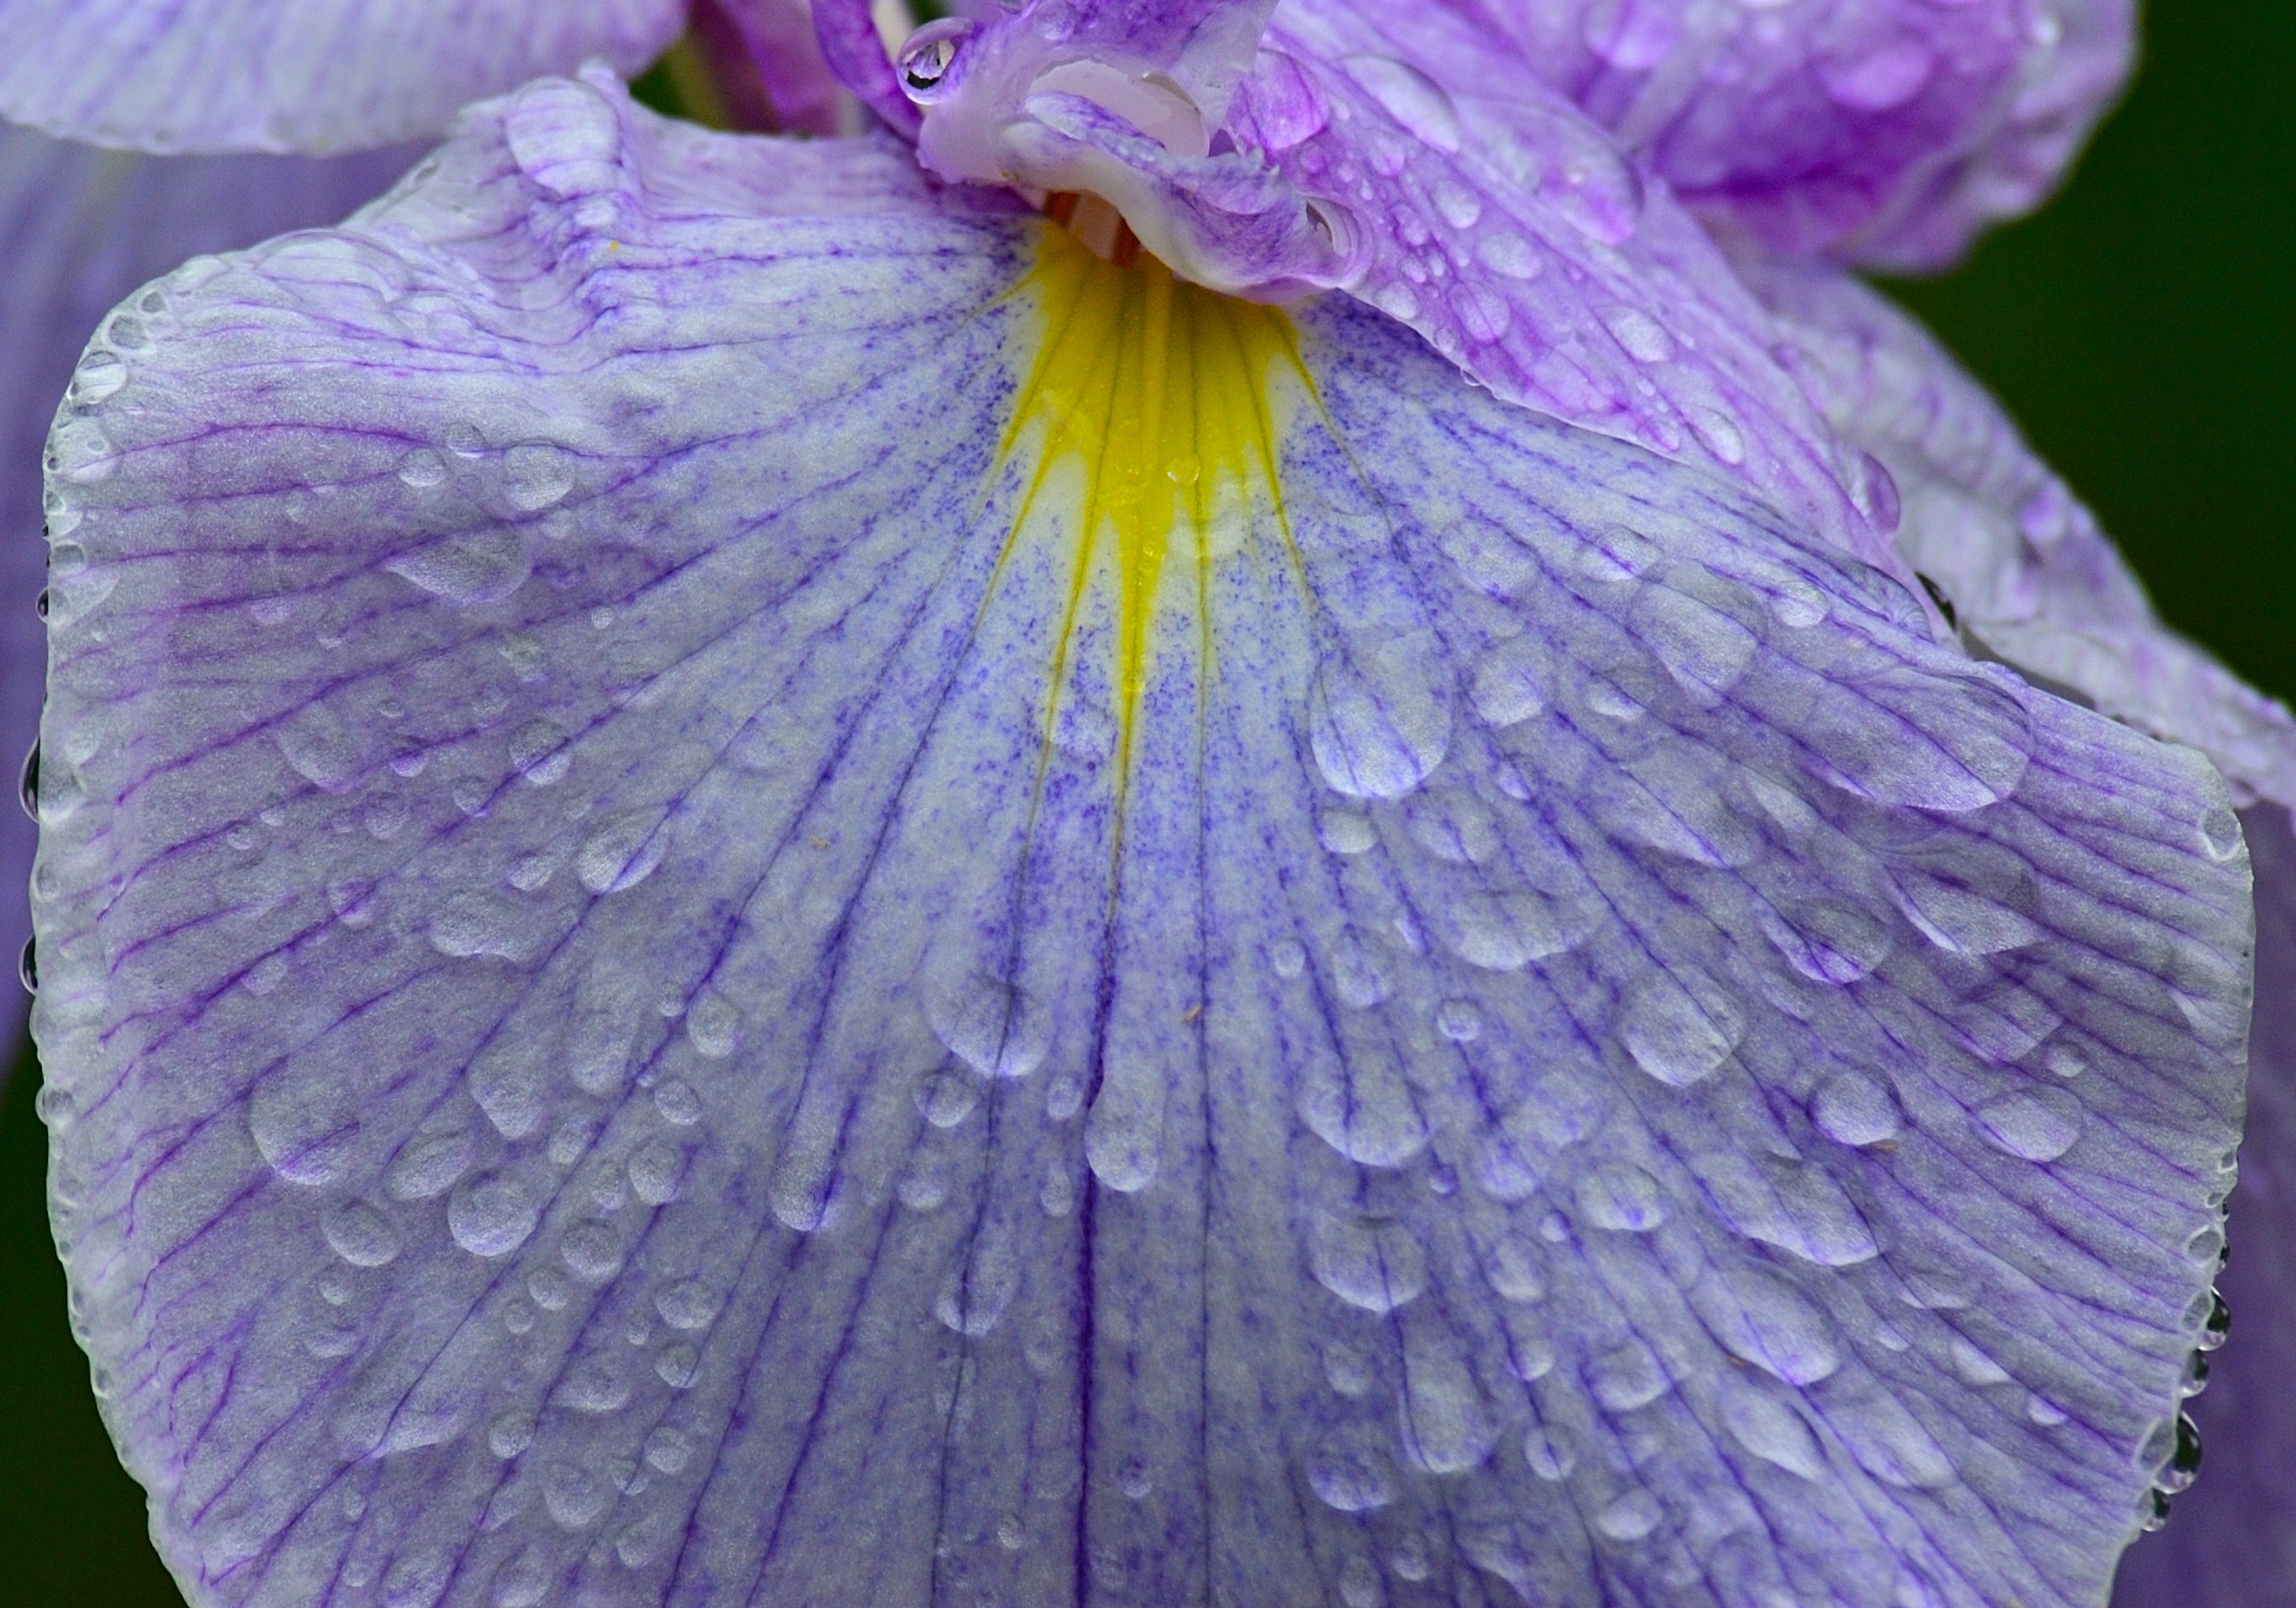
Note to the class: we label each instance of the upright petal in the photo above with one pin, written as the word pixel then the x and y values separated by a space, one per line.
pixel 1888 131
pixel 2026 570
pixel 1357 153
pixel 781 39
pixel 2229 1542
pixel 771 891
pixel 85 228
pixel 315 76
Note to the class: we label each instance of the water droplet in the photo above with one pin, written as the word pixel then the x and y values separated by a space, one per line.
pixel 538 750
pixel 1380 722
pixel 947 1096
pixel 320 747
pixel 656 1168
pixel 28 966
pixel 1771 1431
pixel 1370 1262
pixel 1461 207
pixel 1890 77
pixel 1679 1026
pixel 677 1366
pixel 98 379
pixel 1548 1450
pixel 2220 834
pixel 1951 743
pixel 491 1215
pixel 1511 682
pixel 1798 606
pixel 1621 1197
pixel 713 1024
pixel 1972 1365
pixel 676 1103
pixel 996 1029
pixel 1346 831
pixel 565 137
pixel 536 475
pixel 1508 255
pixel 1644 339
pixel 623 852
pixel 428 1164
pixel 1630 1517
pixel 688 1305
pixel 592 1251
pixel 1398 301
pixel 1288 958
pixel 422 469
pixel 1827 941
pixel 2044 1412
pixel 360 1235
pixel 1720 431
pixel 1363 1108
pixel 1853 1109
pixel 476 567
pixel 1124 1132
pixel 1961 919
pixel 27 781
pixel 2037 1124
pixel 1349 1472
pixel 1410 97
pixel 1506 932
pixel 511 1433
pixel 977 1292
pixel 1484 316
pixel 1886 1439
pixel 1356 977
pixel 1460 1020
pixel 302 1124
pixel 1447 1427
pixel 1360 1585
pixel 1626 1377
pixel 81 453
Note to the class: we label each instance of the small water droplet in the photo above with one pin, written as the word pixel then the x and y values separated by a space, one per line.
pixel 360 1235
pixel 1621 1197
pixel 1448 1428
pixel 1827 941
pixel 1409 96
pixel 2220 834
pixel 656 1168
pixel 1460 1020
pixel 1124 1132
pixel 713 1024
pixel 81 453
pixel 1348 1470
pixel 998 1030
pixel 623 852
pixel 98 379
pixel 1679 1026
pixel 1346 831
pixel 688 1305
pixel 1370 1262
pixel 1380 722
pixel 1288 958
pixel 1853 1109
pixel 1547 1448
pixel 1626 1377
pixel 978 1290
pixel 422 469
pixel 592 1251
pixel 536 475
pixel 511 1433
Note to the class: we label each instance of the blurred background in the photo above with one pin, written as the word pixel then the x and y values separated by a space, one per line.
pixel 2143 329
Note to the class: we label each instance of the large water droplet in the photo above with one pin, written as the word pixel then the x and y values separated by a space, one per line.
pixel 978 1290
pixel 1827 941
pixel 2035 1125
pixel 320 747
pixel 360 1235
pixel 592 1251
pixel 1853 1109
pixel 1363 1108
pixel 1349 1470
pixel 1621 1197
pixel 565 137
pixel 1448 1428
pixel 1124 1132
pixel 1762 1319
pixel 535 475
pixel 1679 1026
pixel 80 452
pixel 623 852
pixel 1409 96
pixel 98 379
pixel 428 1164
pixel 1379 722
pixel 303 1124
pixel 1506 932
pixel 1626 1377
pixel 688 1305
pixel 1371 1262
pixel 476 567
pixel 1907 737
pixel 996 1029
pixel 491 1215
pixel 1771 1431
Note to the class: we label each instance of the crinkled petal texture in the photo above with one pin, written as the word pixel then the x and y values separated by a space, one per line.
pixel 2028 572
pixel 315 76
pixel 2229 1542
pixel 1889 131
pixel 85 228
pixel 768 891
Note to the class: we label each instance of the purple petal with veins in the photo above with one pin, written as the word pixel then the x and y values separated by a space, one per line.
pixel 2228 1542
pixel 643 1011
pixel 2028 571
pixel 315 76
pixel 1889 132
pixel 84 229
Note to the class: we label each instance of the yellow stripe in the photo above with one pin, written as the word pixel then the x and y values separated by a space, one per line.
pixel 1160 390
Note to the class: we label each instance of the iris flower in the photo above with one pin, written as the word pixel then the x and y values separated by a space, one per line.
pixel 1264 812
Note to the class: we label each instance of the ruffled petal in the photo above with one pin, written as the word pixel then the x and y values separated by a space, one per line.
pixel 2228 1544
pixel 1888 131
pixel 2028 571
pixel 1507 230
pixel 84 229
pixel 770 891
pixel 315 76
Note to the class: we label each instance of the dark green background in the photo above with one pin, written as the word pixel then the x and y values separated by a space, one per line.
pixel 2141 328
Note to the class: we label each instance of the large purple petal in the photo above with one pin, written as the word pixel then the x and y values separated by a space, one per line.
pixel 664 985
pixel 317 76
pixel 1889 131
pixel 2028 572
pixel 2230 1544
pixel 85 228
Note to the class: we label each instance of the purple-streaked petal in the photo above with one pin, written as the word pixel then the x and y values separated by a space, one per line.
pixel 2028 571
pixel 781 39
pixel 2229 1544
pixel 1889 131
pixel 85 228
pixel 1510 231
pixel 315 76
pixel 665 987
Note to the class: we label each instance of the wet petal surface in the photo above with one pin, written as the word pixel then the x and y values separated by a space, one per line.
pixel 769 892
pixel 84 229
pixel 2026 570
pixel 295 74
pixel 1887 131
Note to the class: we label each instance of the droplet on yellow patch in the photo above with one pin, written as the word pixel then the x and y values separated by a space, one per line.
pixel 1163 393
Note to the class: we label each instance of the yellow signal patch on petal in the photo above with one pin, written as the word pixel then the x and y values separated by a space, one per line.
pixel 1163 394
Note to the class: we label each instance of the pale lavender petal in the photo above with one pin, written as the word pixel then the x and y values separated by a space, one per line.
pixel 2024 562
pixel 2229 1542
pixel 644 1011
pixel 847 33
pixel 317 76
pixel 1510 231
pixel 85 228
pixel 1887 131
